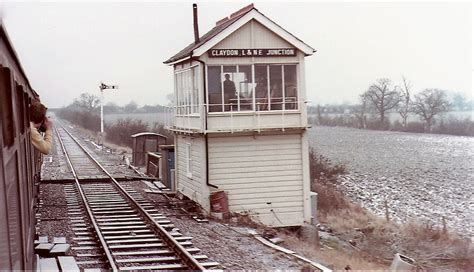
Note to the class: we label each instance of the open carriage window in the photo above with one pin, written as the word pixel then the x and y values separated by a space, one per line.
pixel 8 125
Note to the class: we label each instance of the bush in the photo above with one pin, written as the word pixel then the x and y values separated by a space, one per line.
pixel 120 132
pixel 160 129
pixel 454 126
pixel 80 117
pixel 323 181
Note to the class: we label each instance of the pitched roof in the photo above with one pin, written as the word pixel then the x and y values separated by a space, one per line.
pixel 224 24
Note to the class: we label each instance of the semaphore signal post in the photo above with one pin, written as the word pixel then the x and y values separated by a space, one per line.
pixel 103 87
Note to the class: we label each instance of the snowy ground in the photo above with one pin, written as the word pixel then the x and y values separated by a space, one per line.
pixel 422 176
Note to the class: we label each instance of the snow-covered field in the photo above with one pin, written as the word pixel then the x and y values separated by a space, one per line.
pixel 422 176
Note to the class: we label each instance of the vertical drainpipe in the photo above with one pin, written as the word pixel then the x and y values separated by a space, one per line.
pixel 205 123
pixel 196 41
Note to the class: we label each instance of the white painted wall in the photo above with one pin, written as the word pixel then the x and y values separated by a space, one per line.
pixel 192 186
pixel 262 175
pixel 252 35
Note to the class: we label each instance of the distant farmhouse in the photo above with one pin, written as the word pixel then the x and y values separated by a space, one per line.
pixel 241 120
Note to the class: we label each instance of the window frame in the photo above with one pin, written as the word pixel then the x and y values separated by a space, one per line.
pixel 187 91
pixel 254 103
pixel 189 160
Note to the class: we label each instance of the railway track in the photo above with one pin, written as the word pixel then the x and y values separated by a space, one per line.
pixel 115 227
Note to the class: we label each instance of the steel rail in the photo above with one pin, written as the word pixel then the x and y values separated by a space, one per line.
pixel 180 251
pixel 105 247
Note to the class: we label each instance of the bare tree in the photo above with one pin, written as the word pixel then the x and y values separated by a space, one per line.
pixel 87 101
pixel 382 97
pixel 404 108
pixel 430 103
pixel 360 111
pixel 459 101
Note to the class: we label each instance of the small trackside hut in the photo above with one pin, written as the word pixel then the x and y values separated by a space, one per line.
pixel 240 119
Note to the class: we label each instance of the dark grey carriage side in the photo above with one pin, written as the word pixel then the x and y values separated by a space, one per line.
pixel 19 163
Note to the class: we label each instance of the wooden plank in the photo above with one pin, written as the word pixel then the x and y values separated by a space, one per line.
pixel 148 260
pixel 68 263
pixel 137 246
pixel 152 252
pixel 152 267
pixel 125 208
pixel 84 248
pixel 90 262
pixel 60 249
pixel 145 245
pixel 80 233
pixel 114 212
pixel 90 255
pixel 157 259
pixel 129 218
pixel 59 240
pixel 126 231
pixel 133 240
pixel 85 243
pixel 43 249
pixel 115 237
pixel 124 223
pixel 93 269
pixel 49 265
pixel 134 227
pixel 89 238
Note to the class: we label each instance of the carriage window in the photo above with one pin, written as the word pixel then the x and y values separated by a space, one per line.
pixel 26 105
pixel 260 87
pixel 20 107
pixel 8 125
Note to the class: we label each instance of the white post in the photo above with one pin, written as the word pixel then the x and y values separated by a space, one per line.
pixel 101 111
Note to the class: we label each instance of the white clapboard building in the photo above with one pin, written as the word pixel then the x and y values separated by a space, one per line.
pixel 240 120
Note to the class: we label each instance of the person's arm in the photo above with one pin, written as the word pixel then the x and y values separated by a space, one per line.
pixel 42 144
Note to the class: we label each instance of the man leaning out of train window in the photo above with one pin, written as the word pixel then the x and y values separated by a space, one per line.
pixel 41 123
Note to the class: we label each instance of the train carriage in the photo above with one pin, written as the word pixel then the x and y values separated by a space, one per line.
pixel 19 163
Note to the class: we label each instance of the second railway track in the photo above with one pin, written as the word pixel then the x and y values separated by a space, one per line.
pixel 115 227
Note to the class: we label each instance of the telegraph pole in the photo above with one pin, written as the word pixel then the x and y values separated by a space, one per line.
pixel 102 87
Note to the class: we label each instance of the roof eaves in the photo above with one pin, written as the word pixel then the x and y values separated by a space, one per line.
pixel 189 50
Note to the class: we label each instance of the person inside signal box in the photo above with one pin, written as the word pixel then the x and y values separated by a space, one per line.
pixel 41 124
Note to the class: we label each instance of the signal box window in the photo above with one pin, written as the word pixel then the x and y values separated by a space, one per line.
pixel 259 87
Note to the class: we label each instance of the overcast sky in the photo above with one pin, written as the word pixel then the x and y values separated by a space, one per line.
pixel 68 48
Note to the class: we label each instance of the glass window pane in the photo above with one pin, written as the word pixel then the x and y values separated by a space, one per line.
pixel 291 93
pixel 261 90
pixel 195 90
pixel 183 94
pixel 276 91
pixel 178 93
pixel 214 88
pixel 228 81
pixel 188 80
pixel 245 87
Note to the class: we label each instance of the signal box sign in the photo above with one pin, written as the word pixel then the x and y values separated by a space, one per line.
pixel 262 52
